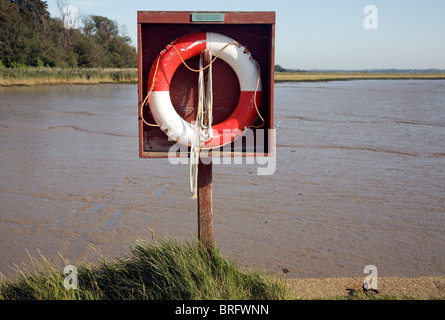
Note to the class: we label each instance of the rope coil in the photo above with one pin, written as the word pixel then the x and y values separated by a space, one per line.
pixel 203 124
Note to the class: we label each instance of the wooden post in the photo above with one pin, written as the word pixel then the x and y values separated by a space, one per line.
pixel 205 191
pixel 205 205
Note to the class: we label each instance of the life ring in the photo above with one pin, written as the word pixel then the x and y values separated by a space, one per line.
pixel 236 56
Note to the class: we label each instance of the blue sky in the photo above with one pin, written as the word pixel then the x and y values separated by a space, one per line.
pixel 317 34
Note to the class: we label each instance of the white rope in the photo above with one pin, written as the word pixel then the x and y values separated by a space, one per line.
pixel 203 124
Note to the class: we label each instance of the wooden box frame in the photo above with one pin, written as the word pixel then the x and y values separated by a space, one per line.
pixel 255 30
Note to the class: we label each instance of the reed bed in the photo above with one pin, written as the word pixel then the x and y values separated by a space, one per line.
pixel 32 76
pixel 51 76
pixel 338 76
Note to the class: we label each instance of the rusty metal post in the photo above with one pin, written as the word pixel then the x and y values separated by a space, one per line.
pixel 205 191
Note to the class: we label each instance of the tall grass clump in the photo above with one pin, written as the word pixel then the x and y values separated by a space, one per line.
pixel 165 270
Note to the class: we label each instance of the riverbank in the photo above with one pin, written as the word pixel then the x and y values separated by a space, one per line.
pixel 172 270
pixel 389 288
pixel 166 270
pixel 339 76
pixel 55 76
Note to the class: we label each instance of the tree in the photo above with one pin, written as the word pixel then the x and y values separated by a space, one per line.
pixel 279 68
pixel 20 22
pixel 29 36
pixel 115 50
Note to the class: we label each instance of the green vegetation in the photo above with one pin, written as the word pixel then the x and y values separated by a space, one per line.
pixel 30 37
pixel 307 76
pixel 166 270
pixel 43 75
pixel 50 76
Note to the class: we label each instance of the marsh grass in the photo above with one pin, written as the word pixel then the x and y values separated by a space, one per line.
pixel 338 76
pixel 50 76
pixel 166 270
pixel 31 76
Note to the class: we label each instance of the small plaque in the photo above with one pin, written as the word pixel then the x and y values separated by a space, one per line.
pixel 207 17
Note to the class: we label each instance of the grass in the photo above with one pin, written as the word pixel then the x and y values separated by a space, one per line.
pixel 338 76
pixel 50 76
pixel 166 270
pixel 162 270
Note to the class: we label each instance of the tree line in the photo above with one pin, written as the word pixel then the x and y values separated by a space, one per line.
pixel 29 36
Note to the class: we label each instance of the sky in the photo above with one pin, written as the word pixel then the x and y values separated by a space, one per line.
pixel 317 34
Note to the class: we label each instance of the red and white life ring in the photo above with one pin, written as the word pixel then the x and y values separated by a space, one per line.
pixel 190 46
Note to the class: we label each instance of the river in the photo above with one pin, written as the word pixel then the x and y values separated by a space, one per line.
pixel 359 180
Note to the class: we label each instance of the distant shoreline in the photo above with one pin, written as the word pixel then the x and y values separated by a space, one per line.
pixel 58 76
pixel 343 76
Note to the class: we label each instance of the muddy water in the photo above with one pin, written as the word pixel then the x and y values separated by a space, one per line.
pixel 359 180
